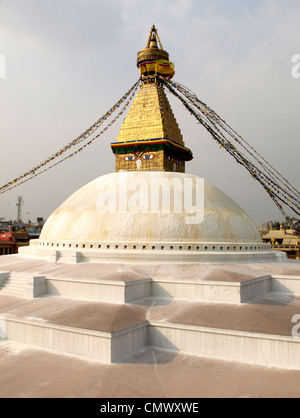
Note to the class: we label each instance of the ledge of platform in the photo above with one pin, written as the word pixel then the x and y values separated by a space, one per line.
pixel 258 333
pixel 92 252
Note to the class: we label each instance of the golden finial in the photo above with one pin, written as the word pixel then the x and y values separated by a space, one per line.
pixel 153 38
pixel 154 60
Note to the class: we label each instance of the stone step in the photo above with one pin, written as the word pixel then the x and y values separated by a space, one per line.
pixel 227 344
pixel 26 285
pixel 106 347
pixel 15 285
pixel 110 347
pixel 132 291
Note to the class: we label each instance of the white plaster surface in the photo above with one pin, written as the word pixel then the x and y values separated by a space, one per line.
pixel 116 218
pixel 80 216
pixel 220 311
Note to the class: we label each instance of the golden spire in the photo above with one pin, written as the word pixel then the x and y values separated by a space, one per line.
pixel 152 40
pixel 150 138
pixel 154 60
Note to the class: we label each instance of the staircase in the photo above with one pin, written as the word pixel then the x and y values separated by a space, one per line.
pixel 14 285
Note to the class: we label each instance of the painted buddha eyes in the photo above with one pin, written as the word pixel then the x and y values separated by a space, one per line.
pixel 174 161
pixel 148 157
pixel 130 158
pixel 134 157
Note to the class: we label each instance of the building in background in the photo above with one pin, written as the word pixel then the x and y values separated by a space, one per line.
pixel 283 237
pixel 16 234
pixel 8 244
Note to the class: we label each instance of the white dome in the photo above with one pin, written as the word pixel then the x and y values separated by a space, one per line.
pixel 120 207
pixel 150 216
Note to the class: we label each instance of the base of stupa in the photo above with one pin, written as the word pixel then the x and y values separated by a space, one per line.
pixel 236 312
pixel 74 252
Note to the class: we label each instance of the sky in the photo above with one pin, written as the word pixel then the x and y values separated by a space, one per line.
pixel 68 61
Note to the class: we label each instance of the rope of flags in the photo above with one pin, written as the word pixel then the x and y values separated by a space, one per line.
pixel 83 147
pixel 278 187
pixel 36 171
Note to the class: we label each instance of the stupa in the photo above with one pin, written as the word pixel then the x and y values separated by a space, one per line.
pixel 148 233
pixel 150 209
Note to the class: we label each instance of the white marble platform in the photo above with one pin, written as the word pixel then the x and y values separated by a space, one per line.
pixel 236 312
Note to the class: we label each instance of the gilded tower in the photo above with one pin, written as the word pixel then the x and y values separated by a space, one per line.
pixel 150 138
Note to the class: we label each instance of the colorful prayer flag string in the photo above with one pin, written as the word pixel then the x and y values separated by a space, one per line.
pixel 33 172
pixel 278 188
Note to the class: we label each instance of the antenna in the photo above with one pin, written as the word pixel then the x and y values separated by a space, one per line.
pixel 19 206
